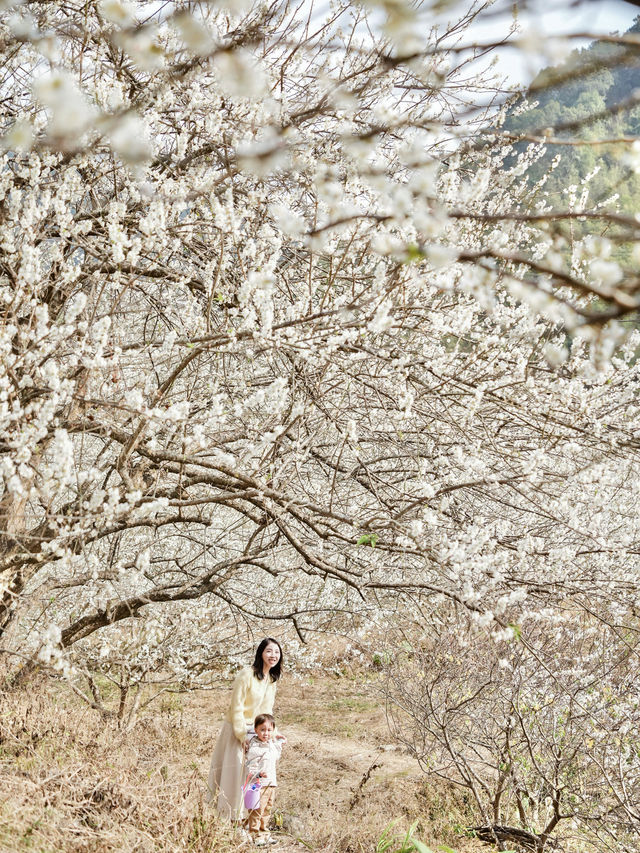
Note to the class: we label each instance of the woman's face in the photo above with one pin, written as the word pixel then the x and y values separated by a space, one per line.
pixel 270 655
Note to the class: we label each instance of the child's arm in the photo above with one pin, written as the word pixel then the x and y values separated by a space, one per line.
pixel 251 758
pixel 254 760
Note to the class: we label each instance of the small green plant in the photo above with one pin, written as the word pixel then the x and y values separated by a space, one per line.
pixel 171 704
pixel 392 842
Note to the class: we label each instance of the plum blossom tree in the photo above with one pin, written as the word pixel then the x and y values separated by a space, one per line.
pixel 541 730
pixel 287 335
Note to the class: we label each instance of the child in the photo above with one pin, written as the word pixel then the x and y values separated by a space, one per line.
pixel 262 754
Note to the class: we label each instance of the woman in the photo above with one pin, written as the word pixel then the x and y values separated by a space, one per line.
pixel 253 693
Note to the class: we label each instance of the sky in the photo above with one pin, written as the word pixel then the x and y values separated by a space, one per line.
pixel 593 15
pixel 550 19
pixel 541 22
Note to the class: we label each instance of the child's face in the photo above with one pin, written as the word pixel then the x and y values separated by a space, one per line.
pixel 264 731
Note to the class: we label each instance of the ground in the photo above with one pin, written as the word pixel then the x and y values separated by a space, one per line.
pixel 73 782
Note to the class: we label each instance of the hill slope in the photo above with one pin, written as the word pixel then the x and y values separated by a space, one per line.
pixel 590 97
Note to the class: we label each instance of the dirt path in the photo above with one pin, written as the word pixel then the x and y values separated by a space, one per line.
pixel 338 764
pixel 333 775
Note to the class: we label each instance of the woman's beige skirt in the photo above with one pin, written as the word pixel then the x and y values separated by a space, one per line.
pixel 224 785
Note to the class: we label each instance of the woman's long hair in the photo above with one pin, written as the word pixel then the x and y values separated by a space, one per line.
pixel 275 671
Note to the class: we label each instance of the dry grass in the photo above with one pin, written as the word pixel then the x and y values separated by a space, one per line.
pixel 71 782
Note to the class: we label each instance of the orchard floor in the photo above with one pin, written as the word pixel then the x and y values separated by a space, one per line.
pixel 70 782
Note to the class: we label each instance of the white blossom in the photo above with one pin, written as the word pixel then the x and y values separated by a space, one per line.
pixel 70 111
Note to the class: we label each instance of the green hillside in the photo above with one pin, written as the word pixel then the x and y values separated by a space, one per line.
pixel 589 98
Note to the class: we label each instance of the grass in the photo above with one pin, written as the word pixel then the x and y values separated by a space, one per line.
pixel 73 783
pixel 351 703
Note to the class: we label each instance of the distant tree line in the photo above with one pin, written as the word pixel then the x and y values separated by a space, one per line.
pixel 585 111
